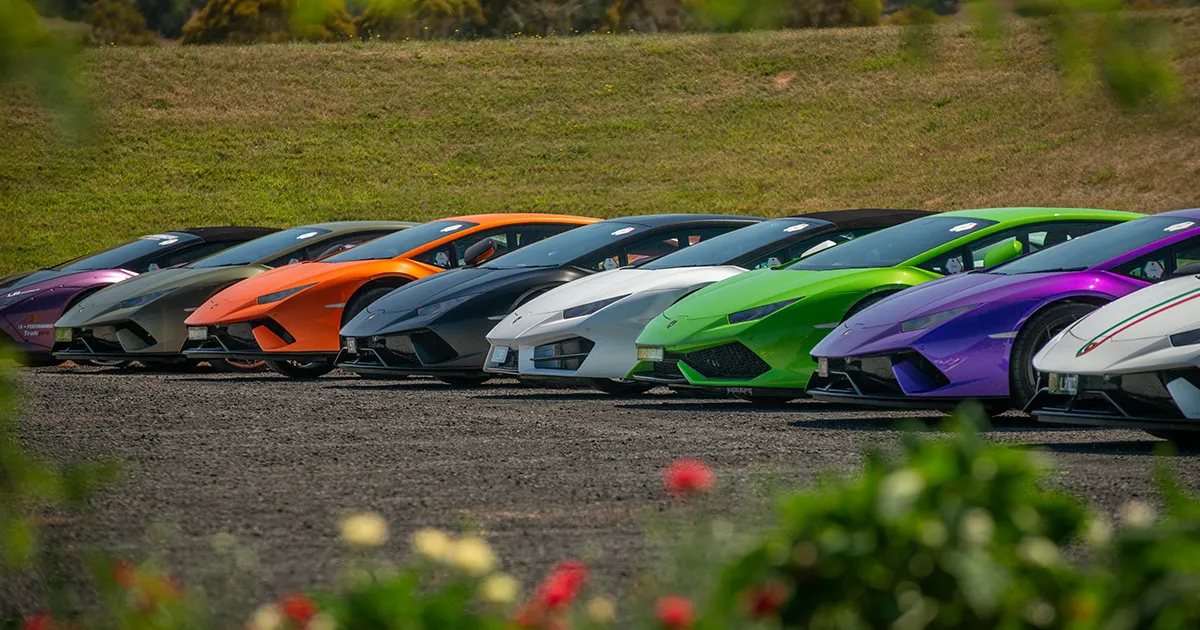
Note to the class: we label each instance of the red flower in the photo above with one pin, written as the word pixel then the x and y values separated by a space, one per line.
pixel 298 608
pixel 562 586
pixel 688 476
pixel 767 600
pixel 675 612
pixel 39 621
pixel 124 573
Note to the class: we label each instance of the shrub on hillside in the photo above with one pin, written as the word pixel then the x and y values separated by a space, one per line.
pixel 246 21
pixel 399 19
pixel 117 22
pixel 828 13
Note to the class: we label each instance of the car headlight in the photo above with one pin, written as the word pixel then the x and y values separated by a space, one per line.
pixel 591 307
pixel 1186 338
pixel 759 312
pixel 143 299
pixel 929 321
pixel 16 296
pixel 444 306
pixel 286 293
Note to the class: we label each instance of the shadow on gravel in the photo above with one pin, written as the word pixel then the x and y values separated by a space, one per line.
pixel 552 396
pixel 718 404
pixel 1118 447
pixel 922 425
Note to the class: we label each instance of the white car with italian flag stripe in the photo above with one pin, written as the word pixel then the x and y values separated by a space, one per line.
pixel 1133 363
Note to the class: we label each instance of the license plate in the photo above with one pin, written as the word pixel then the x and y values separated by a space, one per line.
pixel 1064 384
pixel 740 391
pixel 650 353
pixel 499 354
pixel 823 367
pixel 63 335
pixel 351 345
pixel 197 333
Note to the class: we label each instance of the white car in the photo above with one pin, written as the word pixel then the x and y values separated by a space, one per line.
pixel 586 329
pixel 1133 363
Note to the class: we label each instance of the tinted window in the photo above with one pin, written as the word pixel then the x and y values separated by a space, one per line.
pixel 733 245
pixel 122 256
pixel 658 245
pixel 800 249
pixel 175 256
pixel 1101 246
pixel 890 247
pixel 1001 247
pixel 568 246
pixel 1161 264
pixel 260 248
pixel 402 242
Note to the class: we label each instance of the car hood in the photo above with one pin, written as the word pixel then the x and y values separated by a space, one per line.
pixel 50 278
pixel 767 286
pixel 618 282
pixel 444 286
pixel 282 278
pixel 177 278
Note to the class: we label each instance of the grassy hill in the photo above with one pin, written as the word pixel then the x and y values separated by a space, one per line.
pixel 762 123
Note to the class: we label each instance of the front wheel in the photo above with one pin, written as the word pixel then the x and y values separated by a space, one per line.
pixel 299 369
pixel 1034 335
pixel 621 387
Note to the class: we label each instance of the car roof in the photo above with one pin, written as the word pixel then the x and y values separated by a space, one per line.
pixel 861 218
pixel 1016 214
pixel 354 226
pixel 1191 213
pixel 512 217
pixel 659 220
pixel 223 233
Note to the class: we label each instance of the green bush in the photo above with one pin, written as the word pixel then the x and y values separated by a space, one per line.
pixel 117 22
pixel 245 21
pixel 399 19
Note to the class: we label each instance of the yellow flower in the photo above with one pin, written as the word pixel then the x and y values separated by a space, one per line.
pixel 473 555
pixel 267 617
pixel 365 529
pixel 601 609
pixel 499 589
pixel 433 544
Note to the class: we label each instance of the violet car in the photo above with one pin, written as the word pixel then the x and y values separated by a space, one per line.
pixel 30 302
pixel 974 335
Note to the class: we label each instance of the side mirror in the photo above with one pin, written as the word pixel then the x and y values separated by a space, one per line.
pixel 1190 269
pixel 1001 254
pixel 479 252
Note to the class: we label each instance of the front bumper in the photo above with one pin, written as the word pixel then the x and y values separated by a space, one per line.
pixel 413 352
pixel 121 340
pixel 242 341
pixel 879 381
pixel 1143 400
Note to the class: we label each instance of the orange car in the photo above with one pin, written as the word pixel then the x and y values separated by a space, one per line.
pixel 289 317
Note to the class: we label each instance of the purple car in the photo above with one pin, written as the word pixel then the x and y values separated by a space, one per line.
pixel 974 335
pixel 30 302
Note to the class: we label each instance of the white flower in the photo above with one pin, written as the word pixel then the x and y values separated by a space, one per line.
pixel 365 529
pixel 267 617
pixel 473 555
pixel 1099 531
pixel 499 589
pixel 897 493
pixel 601 609
pixel 1039 550
pixel 977 527
pixel 1138 514
pixel 433 544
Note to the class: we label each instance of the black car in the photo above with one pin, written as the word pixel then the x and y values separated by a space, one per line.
pixel 438 325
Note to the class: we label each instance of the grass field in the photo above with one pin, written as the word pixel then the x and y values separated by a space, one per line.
pixel 762 123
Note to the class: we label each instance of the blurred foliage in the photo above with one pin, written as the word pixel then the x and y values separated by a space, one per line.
pixel 30 485
pixel 30 54
pixel 118 23
pixel 243 21
pixel 401 19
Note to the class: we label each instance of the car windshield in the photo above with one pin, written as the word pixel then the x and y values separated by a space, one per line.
pixel 260 248
pixel 401 242
pixel 728 247
pixel 122 255
pixel 1098 247
pixel 568 246
pixel 890 247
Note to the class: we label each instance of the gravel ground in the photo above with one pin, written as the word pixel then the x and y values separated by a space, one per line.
pixel 546 473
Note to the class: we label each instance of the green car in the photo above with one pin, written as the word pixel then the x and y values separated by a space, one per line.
pixel 752 334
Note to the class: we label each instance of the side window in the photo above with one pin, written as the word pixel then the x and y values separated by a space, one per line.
pixel 670 242
pixel 326 247
pixel 522 235
pixel 461 245
pixel 1159 265
pixel 179 256
pixel 994 249
pixel 801 248
pixel 438 257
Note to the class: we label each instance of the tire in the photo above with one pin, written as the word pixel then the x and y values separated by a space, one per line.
pixel 232 366
pixel 867 301
pixel 465 381
pixel 362 301
pixel 621 387
pixel 1022 378
pixel 295 369
pixel 1187 440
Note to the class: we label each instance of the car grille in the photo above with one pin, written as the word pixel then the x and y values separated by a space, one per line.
pixel 1135 395
pixel 410 350
pixel 239 336
pixel 107 339
pixel 568 354
pixel 731 361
